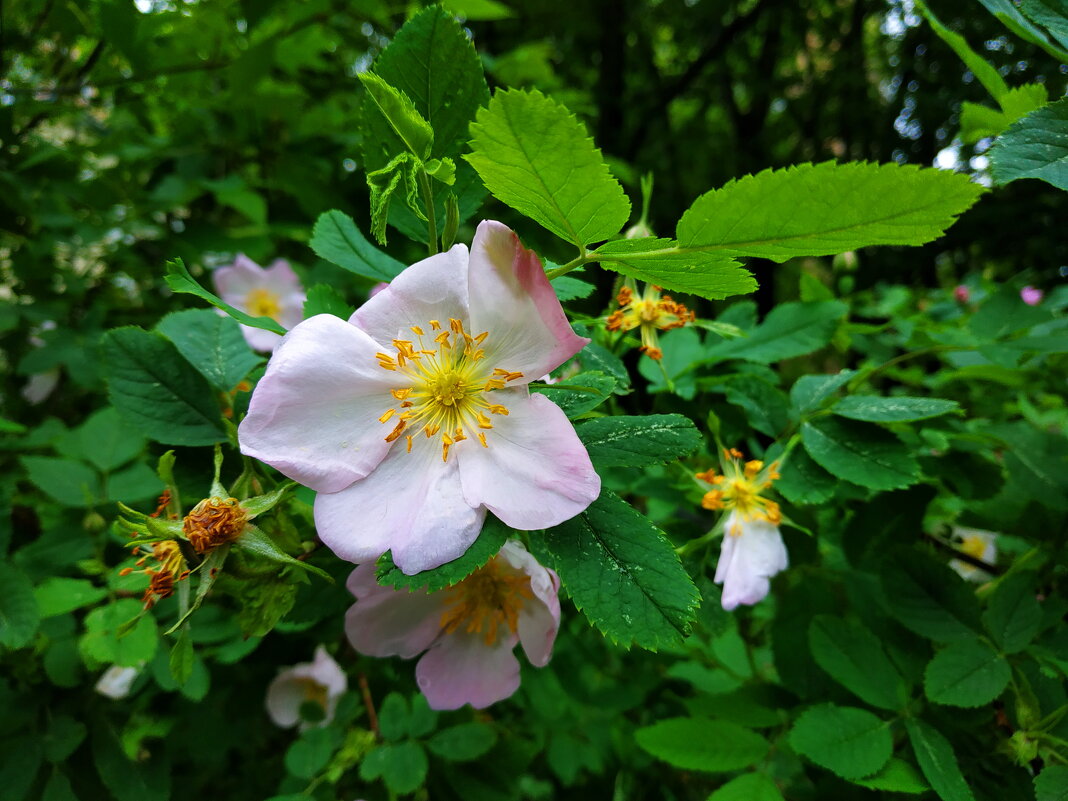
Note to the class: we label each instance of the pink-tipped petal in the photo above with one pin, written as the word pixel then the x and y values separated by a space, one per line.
pixel 747 562
pixel 388 622
pixel 462 669
pixel 314 414
pixel 411 505
pixel 235 281
pixel 534 472
pixel 512 299
pixel 539 619
pixel 432 289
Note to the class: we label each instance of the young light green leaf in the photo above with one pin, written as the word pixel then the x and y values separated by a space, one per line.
pixel 338 240
pixel 789 330
pixel 967 673
pixel 567 287
pixel 399 111
pixel 852 743
pixel 1013 615
pixel 825 209
pixel 58 595
pixel 623 574
pixel 748 787
pixel 623 441
pixel 898 409
pixel 110 637
pixel 861 453
pixel 19 613
pixel 212 344
pixel 533 155
pixel 1035 146
pixel 937 761
pixel 401 172
pixel 855 658
pixel 157 391
pixel 181 281
pixel 700 744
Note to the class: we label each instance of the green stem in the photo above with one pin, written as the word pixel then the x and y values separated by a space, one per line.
pixel 574 264
pixel 431 221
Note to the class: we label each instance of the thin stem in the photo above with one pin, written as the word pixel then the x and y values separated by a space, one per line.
pixel 574 264
pixel 431 221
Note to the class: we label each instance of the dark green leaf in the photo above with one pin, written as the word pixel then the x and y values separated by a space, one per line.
pixel 623 441
pixel 662 262
pixel 180 280
pixel 336 239
pixel 810 391
pixel 67 482
pixel 700 744
pixel 463 742
pixel 489 543
pixel 748 787
pixel 854 657
pixel 875 409
pixel 1035 146
pixel 791 329
pixel 213 344
pixel 929 598
pixel 19 615
pixel 325 299
pixel 1013 615
pixel 862 453
pixel 851 742
pixel 58 595
pixel 967 673
pixel 398 110
pixel 580 393
pixel 937 761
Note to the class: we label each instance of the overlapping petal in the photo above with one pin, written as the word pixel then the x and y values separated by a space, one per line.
pixel 462 669
pixel 747 561
pixel 387 622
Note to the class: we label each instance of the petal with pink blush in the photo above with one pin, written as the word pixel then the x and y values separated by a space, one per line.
pixel 462 669
pixel 235 281
pixel 539 619
pixel 314 414
pixel 534 472
pixel 432 289
pixel 411 505
pixel 388 622
pixel 512 299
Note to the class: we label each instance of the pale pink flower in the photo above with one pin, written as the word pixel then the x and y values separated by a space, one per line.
pixel 320 682
pixel 414 417
pixel 467 631
pixel 377 288
pixel 273 292
pixel 962 294
pixel 1031 296
pixel 978 543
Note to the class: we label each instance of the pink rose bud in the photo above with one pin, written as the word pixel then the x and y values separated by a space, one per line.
pixel 962 294
pixel 1031 296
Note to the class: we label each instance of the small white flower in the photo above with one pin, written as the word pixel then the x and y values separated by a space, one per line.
pixel 979 544
pixel 273 292
pixel 320 682
pixel 115 682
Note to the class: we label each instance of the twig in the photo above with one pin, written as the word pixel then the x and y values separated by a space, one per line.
pixel 368 702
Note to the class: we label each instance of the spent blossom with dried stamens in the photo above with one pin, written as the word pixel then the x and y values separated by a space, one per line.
pixel 414 417
pixel 650 312
pixel 273 292
pixel 752 550
pixel 468 631
pixel 214 522
pixel 168 567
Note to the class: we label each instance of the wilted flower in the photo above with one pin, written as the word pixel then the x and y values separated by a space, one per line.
pixel 414 417
pixel 753 550
pixel 169 567
pixel 468 631
pixel 978 544
pixel 273 292
pixel 321 682
pixel 650 312
pixel 1031 295
pixel 214 522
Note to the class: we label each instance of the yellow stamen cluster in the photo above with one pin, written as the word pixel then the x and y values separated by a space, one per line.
pixel 262 302
pixel 449 394
pixel 973 545
pixel 650 312
pixel 741 487
pixel 490 597
pixel 170 567
pixel 214 522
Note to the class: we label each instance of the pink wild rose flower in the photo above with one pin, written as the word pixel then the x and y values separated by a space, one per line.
pixel 273 292
pixel 468 631
pixel 320 682
pixel 1030 295
pixel 414 417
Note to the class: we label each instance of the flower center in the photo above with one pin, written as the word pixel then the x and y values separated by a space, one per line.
pixel 650 312
pixel 490 597
pixel 262 302
pixel 450 390
pixel 973 545
pixel 740 488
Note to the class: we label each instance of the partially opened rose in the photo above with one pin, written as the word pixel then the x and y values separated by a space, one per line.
pixel 273 292
pixel 414 417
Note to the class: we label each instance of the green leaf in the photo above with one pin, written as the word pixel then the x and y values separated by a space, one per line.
pixel 402 766
pixel 398 110
pixel 664 263
pixel 898 409
pixel 1051 15
pixel 983 70
pixel 533 155
pixel 336 239
pixel 109 639
pixel 157 391
pixel 489 543
pixel 748 787
pixel 699 744
pixel 802 481
pixel 791 329
pixel 810 391
pixel 623 441
pixel 825 209
pixel 850 742
pixel 58 789
pixel 19 615
pixel 400 173
pixel 1035 146
pixel 967 673
pixel 1052 784
pixel 148 780
pixel 67 482
pixel 311 752
pixel 19 765
pixel 479 10
pixel 929 598
pixel 1013 615
pixel 854 657
pixel 580 393
pixel 255 541
pixel 464 742
pixel 213 344
pixel 1009 15
pixel 105 441
pixel 861 453
pixel 63 737
pixel 393 717
pixel 567 287
pixel 58 595
pixel 181 281
pixel 623 574
pixel 978 122
pixel 325 299
pixel 897 777
pixel 764 404
pixel 937 761
pixel 182 658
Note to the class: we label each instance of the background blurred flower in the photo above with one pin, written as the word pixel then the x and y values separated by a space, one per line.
pixel 273 292
pixel 320 683
pixel 976 543
pixel 1031 296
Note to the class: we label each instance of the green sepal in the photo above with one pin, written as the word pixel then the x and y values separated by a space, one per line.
pixel 256 542
pixel 443 169
pixel 209 571
pixel 385 182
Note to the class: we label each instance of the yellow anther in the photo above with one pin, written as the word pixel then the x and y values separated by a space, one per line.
pixel 492 384
pixel 417 330
pixel 483 421
pixel 753 467
pixel 409 438
pixel 481 337
pixel 388 414
pixel 496 408
pixel 482 439
pixel 401 394
pixel 396 432
pixel 434 325
pixel 443 339
pixel 456 325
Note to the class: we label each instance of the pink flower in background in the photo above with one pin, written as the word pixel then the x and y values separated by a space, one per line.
pixel 414 417
pixel 1031 296
pixel 468 631
pixel 962 294
pixel 273 292
pixel 320 682
pixel 377 288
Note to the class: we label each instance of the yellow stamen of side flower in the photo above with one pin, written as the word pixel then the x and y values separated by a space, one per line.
pixel 262 302
pixel 740 488
pixel 487 601
pixel 650 312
